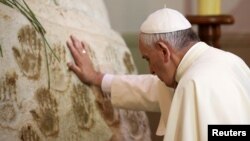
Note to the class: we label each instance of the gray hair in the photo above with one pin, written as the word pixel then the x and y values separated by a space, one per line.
pixel 178 39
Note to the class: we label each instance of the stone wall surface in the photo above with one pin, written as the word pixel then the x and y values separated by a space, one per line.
pixel 31 109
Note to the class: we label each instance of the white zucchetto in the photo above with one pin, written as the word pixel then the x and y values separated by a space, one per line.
pixel 163 21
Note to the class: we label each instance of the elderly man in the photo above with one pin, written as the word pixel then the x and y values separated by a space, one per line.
pixel 203 85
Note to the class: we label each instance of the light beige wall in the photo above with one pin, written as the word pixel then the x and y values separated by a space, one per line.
pixel 127 15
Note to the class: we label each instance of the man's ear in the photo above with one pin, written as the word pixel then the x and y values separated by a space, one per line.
pixel 165 49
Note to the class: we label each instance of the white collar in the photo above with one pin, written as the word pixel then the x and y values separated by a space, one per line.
pixel 192 54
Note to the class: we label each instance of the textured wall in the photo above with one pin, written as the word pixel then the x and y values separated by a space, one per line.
pixel 68 110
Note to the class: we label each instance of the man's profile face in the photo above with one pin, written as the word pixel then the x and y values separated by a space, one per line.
pixel 151 55
pixel 157 63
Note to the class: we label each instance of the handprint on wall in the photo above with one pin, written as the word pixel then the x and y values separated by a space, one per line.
pixel 82 107
pixel 127 60
pixel 46 115
pixel 110 114
pixel 73 136
pixel 135 123
pixel 27 133
pixel 8 99
pixel 28 55
pixel 112 59
pixel 59 75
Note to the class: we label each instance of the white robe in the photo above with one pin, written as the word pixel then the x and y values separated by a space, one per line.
pixel 213 88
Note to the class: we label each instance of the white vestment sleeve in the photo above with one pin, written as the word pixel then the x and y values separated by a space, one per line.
pixel 135 93
pixel 142 92
pixel 106 83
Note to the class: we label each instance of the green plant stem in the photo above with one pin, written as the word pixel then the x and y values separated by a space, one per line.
pixel 46 42
pixel 34 17
pixel 1 52
pixel 6 3
pixel 55 1
pixel 27 12
pixel 47 64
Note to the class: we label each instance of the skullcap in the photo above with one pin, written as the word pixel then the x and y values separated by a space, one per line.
pixel 163 21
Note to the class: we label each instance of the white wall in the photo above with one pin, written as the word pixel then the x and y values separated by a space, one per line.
pixel 127 15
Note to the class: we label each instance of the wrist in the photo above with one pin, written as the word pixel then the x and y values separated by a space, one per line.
pixel 97 81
